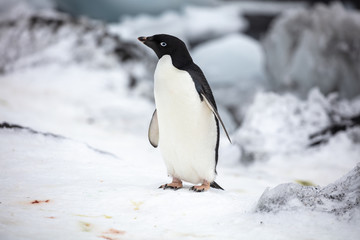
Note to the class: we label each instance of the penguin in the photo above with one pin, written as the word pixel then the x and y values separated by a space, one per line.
pixel 185 123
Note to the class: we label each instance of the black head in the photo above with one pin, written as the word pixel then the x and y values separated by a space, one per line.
pixel 164 44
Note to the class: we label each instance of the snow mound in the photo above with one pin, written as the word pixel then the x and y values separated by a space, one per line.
pixel 315 47
pixel 341 198
pixel 41 37
pixel 275 123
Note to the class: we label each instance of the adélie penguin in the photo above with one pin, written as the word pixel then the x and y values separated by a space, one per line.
pixel 185 123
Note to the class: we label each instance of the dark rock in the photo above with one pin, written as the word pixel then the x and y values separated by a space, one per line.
pixel 323 135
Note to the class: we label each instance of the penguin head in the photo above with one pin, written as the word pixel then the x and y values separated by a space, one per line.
pixel 164 44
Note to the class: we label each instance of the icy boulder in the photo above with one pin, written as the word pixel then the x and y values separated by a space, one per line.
pixel 315 47
pixel 341 198
pixel 233 66
pixel 31 37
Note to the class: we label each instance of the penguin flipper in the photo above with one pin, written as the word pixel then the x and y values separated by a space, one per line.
pixel 213 109
pixel 153 133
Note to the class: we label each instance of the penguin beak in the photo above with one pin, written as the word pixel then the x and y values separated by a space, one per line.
pixel 142 39
pixel 148 41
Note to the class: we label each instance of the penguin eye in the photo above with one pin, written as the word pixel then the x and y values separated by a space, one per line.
pixel 163 44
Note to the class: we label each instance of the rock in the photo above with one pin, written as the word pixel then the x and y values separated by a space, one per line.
pixel 341 198
pixel 315 47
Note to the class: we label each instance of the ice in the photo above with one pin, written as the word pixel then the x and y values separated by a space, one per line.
pixel 235 58
pixel 315 47
pixel 341 198
pixel 233 66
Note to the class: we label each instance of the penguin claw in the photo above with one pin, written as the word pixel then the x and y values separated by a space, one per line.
pixel 167 186
pixel 202 188
pixel 195 189
pixel 173 188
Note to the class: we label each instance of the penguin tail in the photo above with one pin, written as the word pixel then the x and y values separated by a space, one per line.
pixel 215 185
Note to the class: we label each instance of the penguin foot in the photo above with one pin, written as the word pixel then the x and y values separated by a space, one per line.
pixel 202 188
pixel 175 185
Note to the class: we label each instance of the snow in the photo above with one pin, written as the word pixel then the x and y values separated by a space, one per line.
pixel 315 47
pixel 96 176
pixel 60 188
pixel 92 195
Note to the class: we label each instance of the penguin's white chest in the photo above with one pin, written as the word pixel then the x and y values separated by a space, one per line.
pixel 187 127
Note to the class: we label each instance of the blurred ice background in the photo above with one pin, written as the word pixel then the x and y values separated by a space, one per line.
pixel 286 77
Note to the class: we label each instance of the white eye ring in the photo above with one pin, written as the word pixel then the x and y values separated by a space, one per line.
pixel 163 44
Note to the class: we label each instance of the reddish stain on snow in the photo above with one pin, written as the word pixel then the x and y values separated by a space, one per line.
pixel 40 201
pixel 111 231
pixel 107 238
pixel 114 231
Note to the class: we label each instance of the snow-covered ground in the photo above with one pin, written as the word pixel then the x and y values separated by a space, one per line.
pixel 96 176
pixel 93 195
